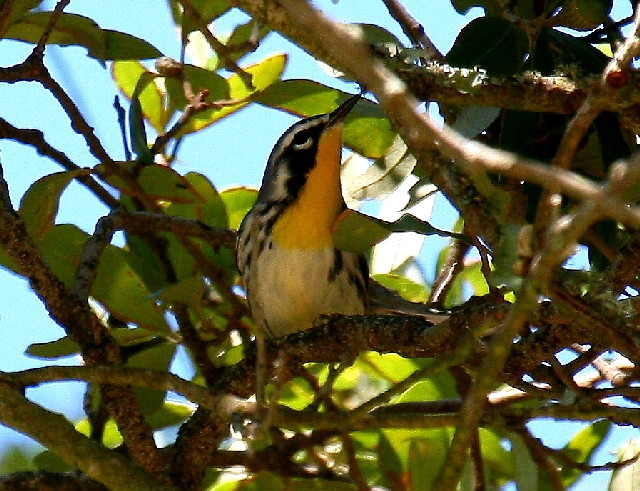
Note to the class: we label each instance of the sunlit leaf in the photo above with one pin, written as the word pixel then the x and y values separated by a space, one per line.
pixel 386 173
pixel 170 414
pixel 39 205
pixel 263 74
pixel 582 446
pixel 367 130
pixel 238 201
pixel 393 368
pixel 209 208
pixel 116 285
pixel 200 79
pixel 628 477
pixel 131 74
pixel 164 183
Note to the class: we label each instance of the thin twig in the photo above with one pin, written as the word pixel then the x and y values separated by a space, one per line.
pixel 38 51
pixel 412 28
pixel 217 46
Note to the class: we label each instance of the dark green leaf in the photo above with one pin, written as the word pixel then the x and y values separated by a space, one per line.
pixel 574 51
pixel 60 348
pixel 137 131
pixel 10 10
pixel 426 458
pixel 491 7
pixel 357 233
pixel 70 29
pixel 123 46
pixel 48 461
pixel 157 358
pixel 491 43
pixel 207 10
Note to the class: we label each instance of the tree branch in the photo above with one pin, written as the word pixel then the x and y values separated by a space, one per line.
pixel 57 434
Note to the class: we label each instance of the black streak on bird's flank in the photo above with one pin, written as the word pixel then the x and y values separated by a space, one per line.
pixel 338 264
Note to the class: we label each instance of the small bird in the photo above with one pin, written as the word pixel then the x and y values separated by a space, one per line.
pixel 291 270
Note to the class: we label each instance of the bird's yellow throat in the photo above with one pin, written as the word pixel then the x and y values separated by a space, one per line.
pixel 308 222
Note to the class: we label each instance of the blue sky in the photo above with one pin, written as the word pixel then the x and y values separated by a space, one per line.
pixel 27 105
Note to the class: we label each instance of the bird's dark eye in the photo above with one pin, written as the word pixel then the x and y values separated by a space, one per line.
pixel 302 142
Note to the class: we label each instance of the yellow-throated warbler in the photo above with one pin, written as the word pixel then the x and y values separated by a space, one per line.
pixel 291 270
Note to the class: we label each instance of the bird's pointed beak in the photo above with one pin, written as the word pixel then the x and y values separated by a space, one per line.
pixel 338 115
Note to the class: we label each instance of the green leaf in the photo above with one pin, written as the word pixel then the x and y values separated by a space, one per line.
pixel 123 46
pixel 426 458
pixel 384 176
pixel 157 358
pixel 69 30
pixel 188 291
pixel 263 74
pixel 391 367
pixel 367 130
pixel 392 464
pixel 506 259
pixel 127 74
pixel 50 462
pixel 406 288
pixel 238 202
pixel 60 348
pixel 200 78
pixel 494 44
pixel 582 446
pixel 137 131
pixel 491 7
pixel 356 232
pixel 584 15
pixel 111 438
pixel 163 183
pixel 208 10
pixel 10 10
pixel 116 285
pixel 527 472
pixel 170 414
pixel 577 52
pixel 209 208
pixel 39 205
